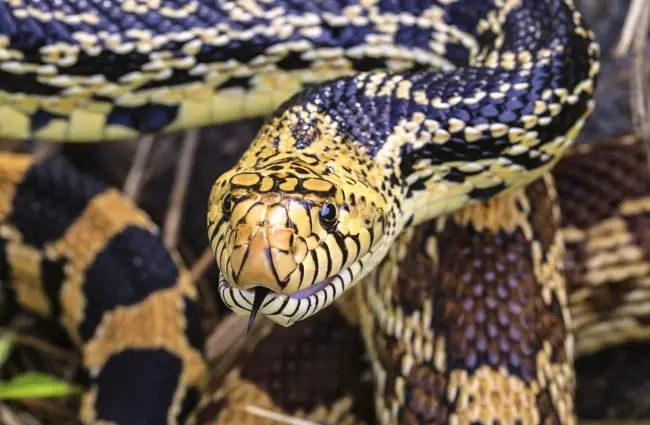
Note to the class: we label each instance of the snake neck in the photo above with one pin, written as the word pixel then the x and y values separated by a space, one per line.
pixel 412 145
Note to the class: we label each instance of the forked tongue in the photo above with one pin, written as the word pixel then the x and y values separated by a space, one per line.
pixel 258 298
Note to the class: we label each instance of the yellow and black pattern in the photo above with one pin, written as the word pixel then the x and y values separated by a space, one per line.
pixel 605 191
pixel 82 254
pixel 467 319
pixel 389 113
pixel 114 69
pixel 306 371
pixel 316 371
pixel 474 317
pixel 340 169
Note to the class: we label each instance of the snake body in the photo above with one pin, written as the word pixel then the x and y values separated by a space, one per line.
pixel 133 312
pixel 340 169
pixel 80 253
pixel 384 115
pixel 472 318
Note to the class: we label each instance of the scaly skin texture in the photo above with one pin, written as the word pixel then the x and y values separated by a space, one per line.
pixel 383 151
pixel 109 70
pixel 82 254
pixel 479 330
pixel 131 307
pixel 475 316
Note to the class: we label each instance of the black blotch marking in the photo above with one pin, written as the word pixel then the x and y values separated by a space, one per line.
pixel 49 199
pixel 293 61
pixel 368 63
pixel 53 275
pixel 42 118
pixel 120 277
pixel 455 176
pixel 4 263
pixel 8 294
pixel 146 119
pixel 236 82
pixel 193 326
pixel 190 401
pixel 24 83
pixel 137 386
pixel 483 194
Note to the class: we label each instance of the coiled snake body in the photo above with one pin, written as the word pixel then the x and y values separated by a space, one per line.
pixel 473 100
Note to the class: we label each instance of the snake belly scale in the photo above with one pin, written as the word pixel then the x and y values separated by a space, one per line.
pixel 384 114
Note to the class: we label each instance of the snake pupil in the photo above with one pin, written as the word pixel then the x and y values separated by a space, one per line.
pixel 328 215
pixel 260 294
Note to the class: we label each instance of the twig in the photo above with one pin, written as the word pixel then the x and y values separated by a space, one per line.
pixel 225 335
pixel 628 33
pixel 637 84
pixel 201 265
pixel 179 190
pixel 45 347
pixel 8 417
pixel 264 413
pixel 133 182
pixel 229 341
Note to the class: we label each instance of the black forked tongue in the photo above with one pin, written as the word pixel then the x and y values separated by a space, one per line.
pixel 260 294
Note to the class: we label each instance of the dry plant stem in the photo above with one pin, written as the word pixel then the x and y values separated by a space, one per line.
pixel 634 34
pixel 179 190
pixel 50 407
pixel 7 417
pixel 201 265
pixel 638 83
pixel 46 347
pixel 628 33
pixel 229 341
pixel 133 182
pixel 274 416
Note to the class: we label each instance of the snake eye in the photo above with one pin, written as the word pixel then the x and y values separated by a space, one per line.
pixel 226 207
pixel 328 215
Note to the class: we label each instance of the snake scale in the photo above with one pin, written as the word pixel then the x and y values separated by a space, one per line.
pixel 314 369
pixel 384 114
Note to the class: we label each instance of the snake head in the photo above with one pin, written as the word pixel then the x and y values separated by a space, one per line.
pixel 302 232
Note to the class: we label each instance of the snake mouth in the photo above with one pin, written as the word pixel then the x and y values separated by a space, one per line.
pixel 286 309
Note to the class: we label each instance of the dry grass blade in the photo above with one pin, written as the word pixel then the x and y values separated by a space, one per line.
pixel 8 417
pixel 229 341
pixel 274 416
pixel 133 182
pixel 179 190
pixel 46 347
pixel 629 32
pixel 634 35
pixel 201 265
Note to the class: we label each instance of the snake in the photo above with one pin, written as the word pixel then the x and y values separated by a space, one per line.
pixel 382 115
pixel 472 318
pixel 134 314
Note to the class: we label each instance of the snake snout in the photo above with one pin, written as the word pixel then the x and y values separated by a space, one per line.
pixel 265 256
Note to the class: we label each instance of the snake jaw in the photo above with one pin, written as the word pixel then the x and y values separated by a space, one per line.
pixel 286 309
